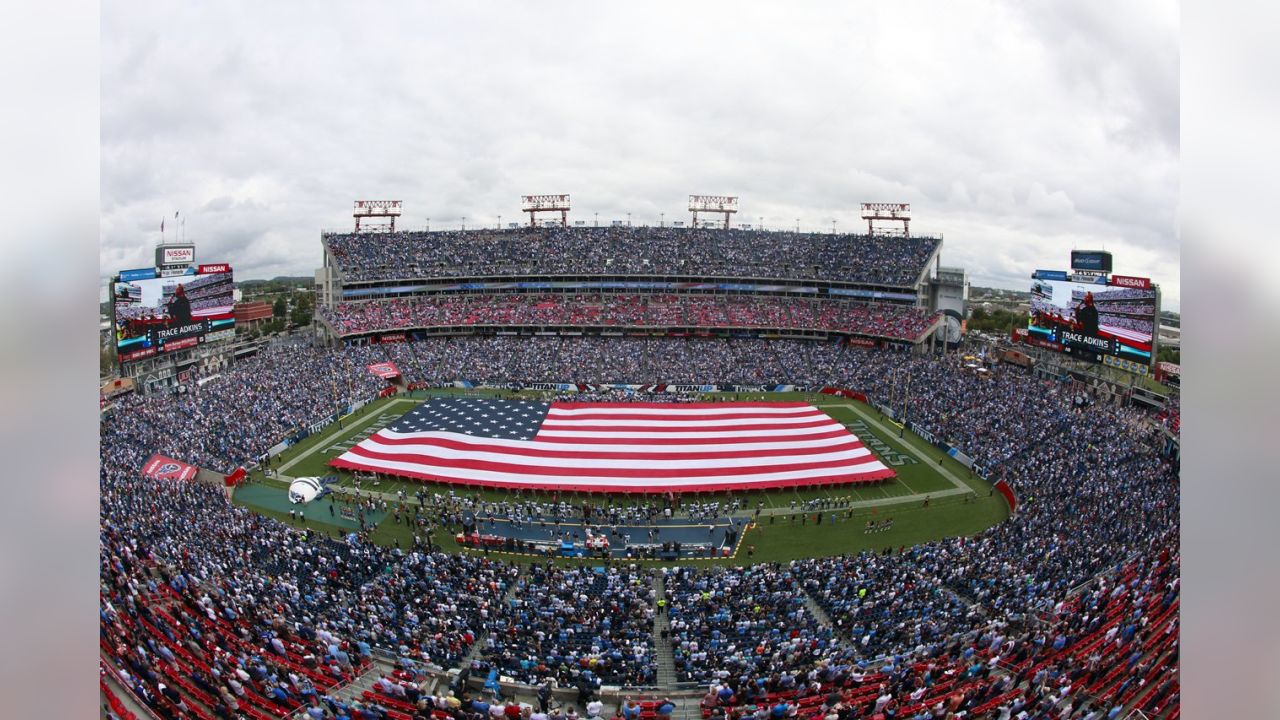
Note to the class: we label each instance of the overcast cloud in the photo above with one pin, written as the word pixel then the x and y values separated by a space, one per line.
pixel 1017 130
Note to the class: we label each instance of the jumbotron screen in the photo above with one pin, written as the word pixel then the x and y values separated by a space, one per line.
pixel 156 315
pixel 1115 317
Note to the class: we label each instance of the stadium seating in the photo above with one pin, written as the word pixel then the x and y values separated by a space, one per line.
pixel 630 251
pixel 1071 604
pixel 656 311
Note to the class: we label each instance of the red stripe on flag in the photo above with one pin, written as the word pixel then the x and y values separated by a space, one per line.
pixel 838 479
pixel 682 427
pixel 839 432
pixel 552 450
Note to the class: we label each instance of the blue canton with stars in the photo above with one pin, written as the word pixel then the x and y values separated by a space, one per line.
pixel 506 419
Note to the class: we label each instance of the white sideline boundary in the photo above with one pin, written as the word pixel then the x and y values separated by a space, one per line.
pixel 329 439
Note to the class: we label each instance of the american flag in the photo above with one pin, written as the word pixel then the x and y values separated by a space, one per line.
pixel 617 447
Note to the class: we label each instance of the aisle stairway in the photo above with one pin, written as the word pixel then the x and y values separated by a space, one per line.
pixel 482 640
pixel 366 681
pixel 666 676
pixel 816 610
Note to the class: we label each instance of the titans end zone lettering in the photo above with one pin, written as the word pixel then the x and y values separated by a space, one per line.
pixel 881 448
pixel 383 420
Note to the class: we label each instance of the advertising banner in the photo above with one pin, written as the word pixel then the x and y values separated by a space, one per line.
pixel 1139 283
pixel 178 255
pixel 964 459
pixel 160 467
pixel 1006 492
pixel 1098 261
pixel 841 392
pixel 385 370
pixel 139 274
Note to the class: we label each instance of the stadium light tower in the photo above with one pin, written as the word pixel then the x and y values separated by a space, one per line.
pixel 724 204
pixel 377 209
pixel 534 204
pixel 891 212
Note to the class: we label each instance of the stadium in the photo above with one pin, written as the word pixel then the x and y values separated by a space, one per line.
pixel 558 470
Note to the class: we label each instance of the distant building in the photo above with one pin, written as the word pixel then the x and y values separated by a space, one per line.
pixel 251 314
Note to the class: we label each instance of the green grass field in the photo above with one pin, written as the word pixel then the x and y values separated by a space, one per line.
pixel 959 504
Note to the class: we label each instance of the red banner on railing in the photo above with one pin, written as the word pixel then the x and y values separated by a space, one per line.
pixel 841 392
pixel 159 467
pixel 385 370
pixel 1003 488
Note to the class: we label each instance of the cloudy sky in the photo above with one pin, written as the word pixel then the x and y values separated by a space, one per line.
pixel 1018 130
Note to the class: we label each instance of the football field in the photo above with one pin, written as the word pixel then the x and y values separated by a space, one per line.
pixel 933 495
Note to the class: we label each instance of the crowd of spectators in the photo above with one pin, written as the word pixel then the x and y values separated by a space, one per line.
pixel 1066 609
pixel 742 621
pixel 660 311
pixel 233 418
pixel 1112 293
pixel 1131 308
pixel 1171 416
pixel 580 625
pixel 1142 325
pixel 630 251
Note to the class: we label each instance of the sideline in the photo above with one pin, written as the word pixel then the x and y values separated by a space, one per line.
pixel 327 441
pixel 910 447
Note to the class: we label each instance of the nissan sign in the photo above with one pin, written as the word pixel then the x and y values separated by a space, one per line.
pixel 177 255
pixel 1140 283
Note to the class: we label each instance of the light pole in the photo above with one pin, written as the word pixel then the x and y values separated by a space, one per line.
pixel 628 219
pixel 662 219
pixel 428 224
pixel 760 225
pixel 499 222
pixel 464 223
pixel 833 227
pixel 597 220
pixel 906 405
pixel 797 224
